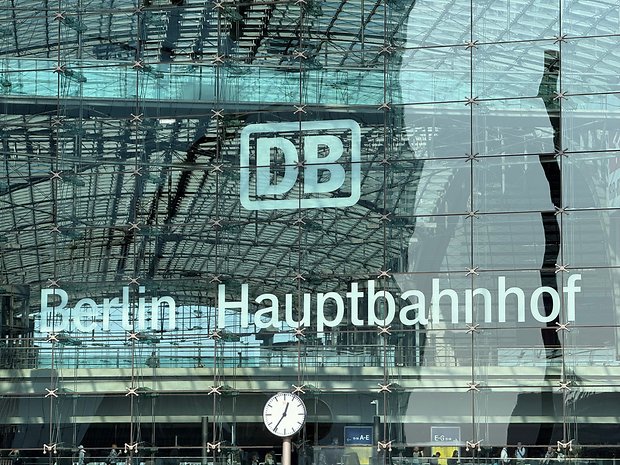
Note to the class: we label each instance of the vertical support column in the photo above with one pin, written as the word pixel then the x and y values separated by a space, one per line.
pixel 204 436
pixel 286 451
pixel 376 437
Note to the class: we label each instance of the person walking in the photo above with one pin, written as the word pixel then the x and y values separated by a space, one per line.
pixel 504 458
pixel 112 456
pixel 520 453
pixel 81 455
pixel 15 457
pixel 549 456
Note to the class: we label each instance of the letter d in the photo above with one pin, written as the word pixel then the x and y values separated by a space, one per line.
pixel 264 186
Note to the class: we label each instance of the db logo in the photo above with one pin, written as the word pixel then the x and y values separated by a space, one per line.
pixel 312 165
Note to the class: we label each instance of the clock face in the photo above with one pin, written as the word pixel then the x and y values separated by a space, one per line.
pixel 284 414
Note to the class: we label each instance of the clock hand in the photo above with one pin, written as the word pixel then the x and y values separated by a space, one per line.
pixel 281 418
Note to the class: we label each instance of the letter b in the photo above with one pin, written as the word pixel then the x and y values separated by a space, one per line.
pixel 54 318
pixel 315 164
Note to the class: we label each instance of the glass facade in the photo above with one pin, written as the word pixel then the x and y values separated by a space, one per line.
pixel 407 212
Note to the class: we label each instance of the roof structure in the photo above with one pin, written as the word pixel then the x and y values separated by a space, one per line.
pixel 120 133
pixel 121 126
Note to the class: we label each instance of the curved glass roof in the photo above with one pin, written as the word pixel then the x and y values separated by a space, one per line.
pixel 121 124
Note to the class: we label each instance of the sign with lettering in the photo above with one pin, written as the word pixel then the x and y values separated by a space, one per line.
pixel 312 164
pixel 358 435
pixel 361 305
pixel 446 435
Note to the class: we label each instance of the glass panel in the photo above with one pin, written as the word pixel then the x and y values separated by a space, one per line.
pixel 509 70
pixel 581 18
pixel 512 183
pixel 591 180
pixel 591 238
pixel 519 126
pixel 588 65
pixel 439 23
pixel 443 187
pixel 503 20
pixel 434 74
pixel 440 243
pixel 590 123
pixel 438 130
pixel 515 241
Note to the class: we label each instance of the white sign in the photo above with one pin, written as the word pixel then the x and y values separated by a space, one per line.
pixel 446 435
pixel 57 315
pixel 405 311
pixel 311 178
pixel 330 309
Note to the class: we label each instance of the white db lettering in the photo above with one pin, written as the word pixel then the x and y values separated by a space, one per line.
pixel 280 175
